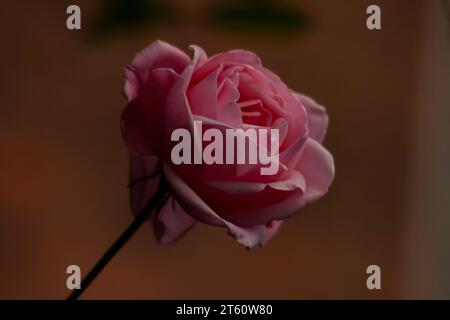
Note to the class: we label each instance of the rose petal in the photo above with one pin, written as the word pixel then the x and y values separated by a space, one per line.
pixel 203 96
pixel 131 83
pixel 298 119
pixel 317 166
pixel 171 222
pixel 233 57
pixel 160 54
pixel 177 112
pixel 195 206
pixel 317 117
pixel 144 179
pixel 294 180
pixel 230 73
pixel 200 56
pixel 227 93
pixel 230 114
pixel 249 204
pixel 141 118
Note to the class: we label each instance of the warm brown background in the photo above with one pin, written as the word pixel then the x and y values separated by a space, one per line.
pixel 63 195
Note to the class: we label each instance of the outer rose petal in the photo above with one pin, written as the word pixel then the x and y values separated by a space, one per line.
pixel 131 84
pixel 317 117
pixel 253 204
pixel 317 166
pixel 144 180
pixel 149 120
pixel 159 54
pixel 195 206
pixel 141 118
pixel 258 202
pixel 171 222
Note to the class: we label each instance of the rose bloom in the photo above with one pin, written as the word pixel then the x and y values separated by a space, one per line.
pixel 166 90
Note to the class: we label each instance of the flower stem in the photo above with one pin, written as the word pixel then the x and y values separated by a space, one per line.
pixel 154 201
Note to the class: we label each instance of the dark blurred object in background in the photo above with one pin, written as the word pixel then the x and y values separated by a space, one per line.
pixel 123 15
pixel 259 16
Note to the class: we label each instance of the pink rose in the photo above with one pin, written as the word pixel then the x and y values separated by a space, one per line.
pixel 166 90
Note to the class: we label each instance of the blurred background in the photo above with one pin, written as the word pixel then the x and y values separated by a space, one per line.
pixel 64 168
